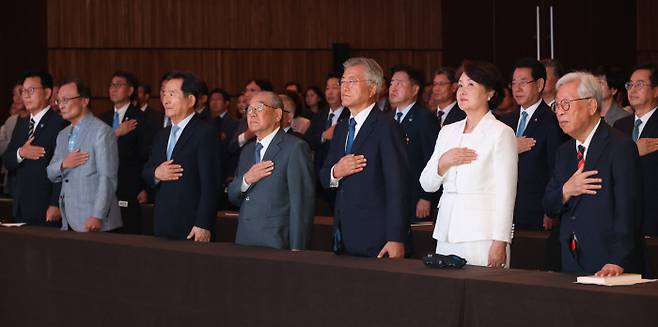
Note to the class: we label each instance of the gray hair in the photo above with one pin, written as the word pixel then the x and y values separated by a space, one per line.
pixel 588 86
pixel 374 73
pixel 272 99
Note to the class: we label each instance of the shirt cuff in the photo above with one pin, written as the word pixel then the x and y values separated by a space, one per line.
pixel 19 159
pixel 244 187
pixel 333 181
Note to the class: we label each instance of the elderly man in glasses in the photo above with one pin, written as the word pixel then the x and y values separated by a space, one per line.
pixel 595 185
pixel 36 199
pixel 274 184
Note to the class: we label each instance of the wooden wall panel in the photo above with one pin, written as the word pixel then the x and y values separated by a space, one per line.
pixel 647 31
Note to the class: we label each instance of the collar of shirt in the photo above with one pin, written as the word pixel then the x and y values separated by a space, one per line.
pixel 223 114
pixel 588 140
pixel 336 113
pixel 550 103
pixel 644 119
pixel 404 111
pixel 447 109
pixel 122 111
pixel 38 116
pixel 265 142
pixel 143 108
pixel 530 110
pixel 361 118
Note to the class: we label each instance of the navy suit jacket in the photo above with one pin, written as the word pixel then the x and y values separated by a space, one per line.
pixel 456 114
pixel 34 192
pixel 226 127
pixel 648 172
pixel 133 152
pixel 192 199
pixel 605 224
pixel 419 133
pixel 536 165
pixel 371 206
pixel 314 135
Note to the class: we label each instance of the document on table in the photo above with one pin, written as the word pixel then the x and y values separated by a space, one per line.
pixel 12 224
pixel 621 280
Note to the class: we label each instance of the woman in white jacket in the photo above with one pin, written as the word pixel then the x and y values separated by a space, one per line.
pixel 475 160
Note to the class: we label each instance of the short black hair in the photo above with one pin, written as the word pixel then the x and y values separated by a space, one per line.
pixel 44 76
pixel 558 68
pixel 415 76
pixel 293 83
pixel 487 75
pixel 130 78
pixel 264 85
pixel 537 68
pixel 220 91
pixel 81 86
pixel 615 76
pixel 191 83
pixel 653 70
pixel 449 72
pixel 333 75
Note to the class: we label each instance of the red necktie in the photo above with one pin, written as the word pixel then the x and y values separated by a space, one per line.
pixel 581 156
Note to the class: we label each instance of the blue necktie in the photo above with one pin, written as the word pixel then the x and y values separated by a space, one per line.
pixel 115 121
pixel 522 123
pixel 636 129
pixel 399 117
pixel 350 136
pixel 73 137
pixel 172 140
pixel 259 147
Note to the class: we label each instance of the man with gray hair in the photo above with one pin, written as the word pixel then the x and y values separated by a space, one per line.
pixel 595 185
pixel 367 165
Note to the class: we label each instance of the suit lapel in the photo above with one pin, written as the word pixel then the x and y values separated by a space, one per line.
pixel 274 147
pixel 130 113
pixel 84 130
pixel 535 120
pixel 42 124
pixel 365 130
pixel 188 131
pixel 651 127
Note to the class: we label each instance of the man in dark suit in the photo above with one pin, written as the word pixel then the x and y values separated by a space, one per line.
pixel 419 129
pixel 274 185
pixel 202 104
pixel 154 122
pixel 322 128
pixel 595 185
pixel 444 92
pixel 538 137
pixel 368 166
pixel 643 129
pixel 184 165
pixel 226 126
pixel 32 145
pixel 289 112
pixel 132 132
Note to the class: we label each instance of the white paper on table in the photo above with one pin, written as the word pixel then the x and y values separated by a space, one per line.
pixel 621 280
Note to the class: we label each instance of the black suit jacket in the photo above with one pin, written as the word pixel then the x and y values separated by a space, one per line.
pixel 648 172
pixel 191 200
pixel 419 131
pixel 34 192
pixel 371 206
pixel 454 115
pixel 536 165
pixel 314 135
pixel 226 127
pixel 605 224
pixel 205 114
pixel 133 152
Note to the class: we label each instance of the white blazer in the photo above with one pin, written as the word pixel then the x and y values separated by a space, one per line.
pixel 478 198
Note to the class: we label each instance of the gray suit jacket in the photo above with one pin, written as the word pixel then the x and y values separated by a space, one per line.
pixel 278 210
pixel 89 189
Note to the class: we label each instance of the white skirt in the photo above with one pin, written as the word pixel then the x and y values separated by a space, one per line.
pixel 476 253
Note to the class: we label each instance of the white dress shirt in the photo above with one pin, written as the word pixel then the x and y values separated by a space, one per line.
pixel 588 140
pixel 265 142
pixel 404 111
pixel 37 119
pixel 122 111
pixel 644 119
pixel 445 111
pixel 360 118
pixel 531 111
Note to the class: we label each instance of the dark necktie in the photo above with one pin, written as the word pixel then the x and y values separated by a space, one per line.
pixel 398 116
pixel 350 136
pixel 439 114
pixel 259 147
pixel 581 156
pixel 330 121
pixel 30 128
pixel 636 129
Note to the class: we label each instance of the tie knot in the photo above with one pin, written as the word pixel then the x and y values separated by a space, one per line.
pixel 175 129
pixel 352 123
pixel 32 120
pixel 259 146
pixel 331 115
pixel 524 114
pixel 638 122
pixel 439 113
pixel 581 151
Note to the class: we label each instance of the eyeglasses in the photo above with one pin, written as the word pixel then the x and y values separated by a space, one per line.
pixel 65 101
pixel 520 83
pixel 117 85
pixel 259 107
pixel 30 90
pixel 638 85
pixel 565 104
pixel 351 82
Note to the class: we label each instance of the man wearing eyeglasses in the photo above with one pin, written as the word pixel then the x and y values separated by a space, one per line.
pixel 444 92
pixel 369 169
pixel 184 165
pixel 131 129
pixel 33 141
pixel 595 185
pixel 86 162
pixel 642 127
pixel 274 184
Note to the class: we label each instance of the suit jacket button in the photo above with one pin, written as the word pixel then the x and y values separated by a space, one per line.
pixel 66 181
pixel 573 217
